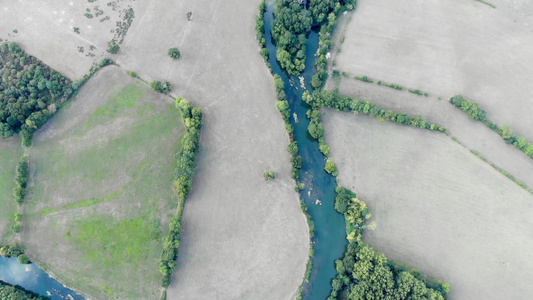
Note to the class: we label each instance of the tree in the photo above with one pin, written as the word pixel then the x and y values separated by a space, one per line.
pixel 112 47
pixel 330 168
pixel 174 53
pixel 23 259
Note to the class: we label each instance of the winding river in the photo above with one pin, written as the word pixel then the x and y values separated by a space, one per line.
pixel 33 279
pixel 330 235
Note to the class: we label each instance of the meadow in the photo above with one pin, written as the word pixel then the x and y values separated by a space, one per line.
pixel 100 192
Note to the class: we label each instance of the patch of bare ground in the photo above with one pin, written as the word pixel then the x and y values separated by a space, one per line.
pixel 438 208
pixel 473 134
pixel 448 48
pixel 242 237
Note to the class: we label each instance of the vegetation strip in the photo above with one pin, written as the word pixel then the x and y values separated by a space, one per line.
pixel 473 110
pixel 332 99
pixel 19 190
pixel 192 117
pixel 391 85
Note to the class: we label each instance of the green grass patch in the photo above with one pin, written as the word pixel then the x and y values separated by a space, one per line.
pixel 110 192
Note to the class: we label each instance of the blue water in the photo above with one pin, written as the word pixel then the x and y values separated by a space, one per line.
pixel 330 234
pixel 34 279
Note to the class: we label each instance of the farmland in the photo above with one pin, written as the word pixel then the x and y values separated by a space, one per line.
pixel 473 134
pixel 100 190
pixel 419 187
pixel 448 48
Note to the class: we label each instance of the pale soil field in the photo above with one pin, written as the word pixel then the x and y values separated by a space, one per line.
pixel 438 208
pixel 447 48
pixel 45 29
pixel 100 190
pixel 473 134
pixel 242 237
pixel 10 154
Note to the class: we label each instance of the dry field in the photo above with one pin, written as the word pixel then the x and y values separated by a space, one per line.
pixel 242 237
pixel 473 134
pixel 100 188
pixel 438 208
pixel 10 154
pixel 45 29
pixel 447 48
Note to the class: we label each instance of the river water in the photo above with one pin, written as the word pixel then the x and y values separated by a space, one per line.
pixel 330 234
pixel 34 279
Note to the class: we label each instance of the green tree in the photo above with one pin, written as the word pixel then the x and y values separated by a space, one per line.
pixel 112 47
pixel 174 53
pixel 331 168
pixel 23 259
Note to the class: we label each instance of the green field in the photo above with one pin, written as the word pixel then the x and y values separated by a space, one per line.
pixel 101 188
pixel 10 153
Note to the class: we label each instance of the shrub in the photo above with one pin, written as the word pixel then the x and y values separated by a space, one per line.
pixel 174 53
pixel 132 74
pixel 269 175
pixel 365 79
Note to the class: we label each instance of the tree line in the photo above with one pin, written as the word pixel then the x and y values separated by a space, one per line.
pixel 19 190
pixel 260 33
pixel 30 92
pixel 332 99
pixel 473 110
pixel 192 117
pixel 363 273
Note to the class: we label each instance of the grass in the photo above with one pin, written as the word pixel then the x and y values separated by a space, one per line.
pixel 110 244
pixel 105 188
pixel 10 153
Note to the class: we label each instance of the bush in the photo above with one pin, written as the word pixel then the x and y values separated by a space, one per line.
pixel 269 175
pixel 174 53
pixel 365 79
pixel 132 74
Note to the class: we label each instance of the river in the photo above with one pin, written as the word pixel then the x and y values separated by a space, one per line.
pixel 33 279
pixel 330 234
